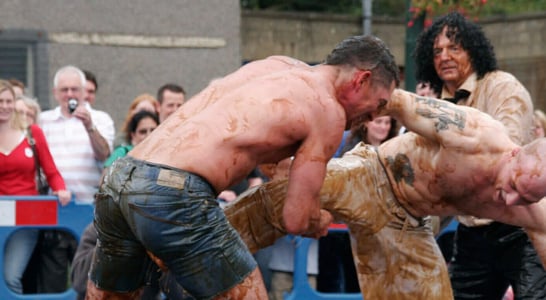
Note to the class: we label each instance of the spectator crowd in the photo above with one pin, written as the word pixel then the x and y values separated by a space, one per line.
pixel 72 144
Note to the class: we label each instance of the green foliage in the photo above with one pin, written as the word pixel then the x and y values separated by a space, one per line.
pixel 333 6
pixel 391 8
pixel 350 7
pixel 509 7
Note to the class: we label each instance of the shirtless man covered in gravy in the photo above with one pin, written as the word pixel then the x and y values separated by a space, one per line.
pixel 159 202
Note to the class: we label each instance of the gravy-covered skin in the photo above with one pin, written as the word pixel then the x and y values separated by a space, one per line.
pixel 226 137
pixel 249 120
pixel 458 160
pixel 461 161
pixel 427 169
pixel 160 201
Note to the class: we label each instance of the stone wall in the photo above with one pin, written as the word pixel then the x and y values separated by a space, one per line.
pixel 519 41
pixel 133 46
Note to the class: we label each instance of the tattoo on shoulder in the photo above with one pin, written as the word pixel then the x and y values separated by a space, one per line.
pixel 401 169
pixel 443 113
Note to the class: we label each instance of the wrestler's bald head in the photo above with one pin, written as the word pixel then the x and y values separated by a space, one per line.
pixel 531 169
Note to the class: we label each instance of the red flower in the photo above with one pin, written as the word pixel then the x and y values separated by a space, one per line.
pixel 428 23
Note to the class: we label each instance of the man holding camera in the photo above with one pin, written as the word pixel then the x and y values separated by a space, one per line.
pixel 79 139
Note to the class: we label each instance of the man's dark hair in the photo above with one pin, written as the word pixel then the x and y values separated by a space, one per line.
pixel 89 76
pixel 366 52
pixel 173 87
pixel 462 32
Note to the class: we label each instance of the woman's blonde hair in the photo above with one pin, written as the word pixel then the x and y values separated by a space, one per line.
pixel 33 104
pixel 16 121
pixel 140 98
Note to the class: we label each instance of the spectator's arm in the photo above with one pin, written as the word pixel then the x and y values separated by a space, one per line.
pixel 99 144
pixel 82 259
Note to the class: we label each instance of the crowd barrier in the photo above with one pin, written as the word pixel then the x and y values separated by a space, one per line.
pixel 301 288
pixel 18 212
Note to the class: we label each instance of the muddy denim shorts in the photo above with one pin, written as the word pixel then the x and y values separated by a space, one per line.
pixel 173 214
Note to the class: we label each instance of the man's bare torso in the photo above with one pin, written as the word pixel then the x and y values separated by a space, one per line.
pixel 452 171
pixel 261 113
pixel 429 179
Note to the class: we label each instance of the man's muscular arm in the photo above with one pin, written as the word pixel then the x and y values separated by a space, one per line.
pixel 538 238
pixel 301 211
pixel 257 213
pixel 532 218
pixel 442 121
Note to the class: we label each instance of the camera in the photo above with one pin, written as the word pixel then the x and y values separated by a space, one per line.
pixel 72 104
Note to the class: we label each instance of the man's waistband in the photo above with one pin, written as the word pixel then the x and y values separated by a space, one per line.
pixel 163 175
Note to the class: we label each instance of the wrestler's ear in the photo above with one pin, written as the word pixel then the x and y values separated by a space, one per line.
pixel 361 78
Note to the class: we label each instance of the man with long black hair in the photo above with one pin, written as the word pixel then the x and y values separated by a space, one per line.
pixel 456 57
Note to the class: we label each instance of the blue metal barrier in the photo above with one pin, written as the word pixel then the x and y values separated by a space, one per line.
pixel 73 218
pixel 301 288
pixel 450 228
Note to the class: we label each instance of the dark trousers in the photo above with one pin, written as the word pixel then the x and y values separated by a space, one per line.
pixel 48 269
pixel 337 273
pixel 487 259
pixel 56 251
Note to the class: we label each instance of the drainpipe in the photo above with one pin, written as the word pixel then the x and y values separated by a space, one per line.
pixel 411 37
pixel 367 17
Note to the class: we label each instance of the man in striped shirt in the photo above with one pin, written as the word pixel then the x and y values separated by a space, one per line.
pixel 80 139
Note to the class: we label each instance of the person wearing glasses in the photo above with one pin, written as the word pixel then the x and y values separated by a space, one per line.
pixel 80 140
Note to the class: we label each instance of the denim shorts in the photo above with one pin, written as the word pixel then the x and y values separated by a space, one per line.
pixel 174 215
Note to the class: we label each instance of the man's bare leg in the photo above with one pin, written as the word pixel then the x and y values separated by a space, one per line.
pixel 94 293
pixel 252 288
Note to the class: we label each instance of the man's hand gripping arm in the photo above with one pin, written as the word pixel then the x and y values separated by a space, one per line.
pixel 301 213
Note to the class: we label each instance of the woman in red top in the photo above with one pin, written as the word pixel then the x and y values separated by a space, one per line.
pixel 17 177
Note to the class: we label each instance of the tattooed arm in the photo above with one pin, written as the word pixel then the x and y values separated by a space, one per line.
pixel 447 123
